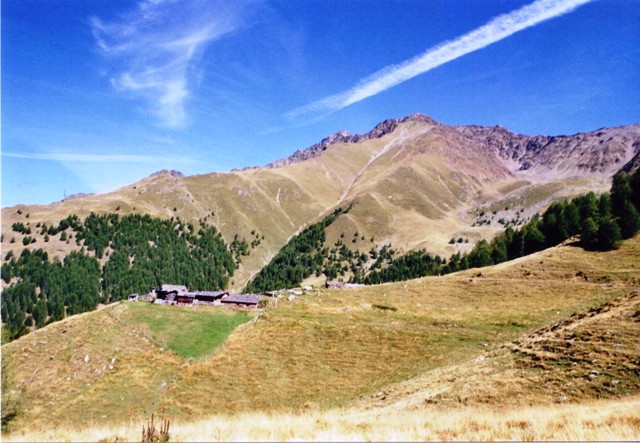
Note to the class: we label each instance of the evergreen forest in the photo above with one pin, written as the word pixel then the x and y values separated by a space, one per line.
pixel 118 256
pixel 601 222
pixel 297 260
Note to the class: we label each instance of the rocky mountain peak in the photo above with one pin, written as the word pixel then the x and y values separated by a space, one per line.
pixel 77 196
pixel 380 130
pixel 173 173
pixel 601 152
pixel 314 150
pixel 418 117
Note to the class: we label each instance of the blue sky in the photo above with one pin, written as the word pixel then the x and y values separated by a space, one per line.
pixel 98 94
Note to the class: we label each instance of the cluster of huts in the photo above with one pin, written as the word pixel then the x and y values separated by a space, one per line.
pixel 176 294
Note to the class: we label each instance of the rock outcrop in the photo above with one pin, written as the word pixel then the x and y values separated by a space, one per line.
pixel 379 131
pixel 173 173
pixel 602 152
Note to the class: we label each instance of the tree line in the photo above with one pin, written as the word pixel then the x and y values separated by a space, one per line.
pixel 118 256
pixel 133 253
pixel 46 291
pixel 601 222
pixel 297 260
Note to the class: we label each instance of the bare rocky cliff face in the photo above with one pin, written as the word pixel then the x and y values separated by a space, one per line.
pixel 77 196
pixel 602 152
pixel 173 173
pixel 633 165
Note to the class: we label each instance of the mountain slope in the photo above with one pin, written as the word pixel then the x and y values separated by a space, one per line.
pixel 415 183
pixel 332 348
pixel 590 354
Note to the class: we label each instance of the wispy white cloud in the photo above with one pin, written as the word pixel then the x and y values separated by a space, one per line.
pixel 96 158
pixel 497 29
pixel 160 43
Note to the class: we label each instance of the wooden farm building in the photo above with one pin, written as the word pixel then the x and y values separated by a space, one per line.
pixel 180 294
pixel 242 299
pixel 172 288
pixel 209 296
pixel 175 294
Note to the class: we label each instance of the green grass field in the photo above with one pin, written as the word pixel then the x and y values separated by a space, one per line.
pixel 189 332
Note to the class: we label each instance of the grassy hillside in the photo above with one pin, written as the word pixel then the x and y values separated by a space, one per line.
pixel 415 187
pixel 603 420
pixel 434 341
pixel 189 333
pixel 106 365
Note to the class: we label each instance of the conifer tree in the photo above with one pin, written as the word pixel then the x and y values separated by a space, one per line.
pixel 608 236
pixel 628 220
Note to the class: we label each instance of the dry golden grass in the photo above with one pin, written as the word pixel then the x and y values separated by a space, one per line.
pixel 48 368
pixel 594 354
pixel 605 420
pixel 103 365
pixel 332 349
pixel 329 350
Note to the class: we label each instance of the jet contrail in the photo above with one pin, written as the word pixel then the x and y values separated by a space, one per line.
pixel 497 29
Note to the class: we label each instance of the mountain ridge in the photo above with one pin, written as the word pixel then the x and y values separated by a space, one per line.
pixel 381 129
pixel 519 147
pixel 414 183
